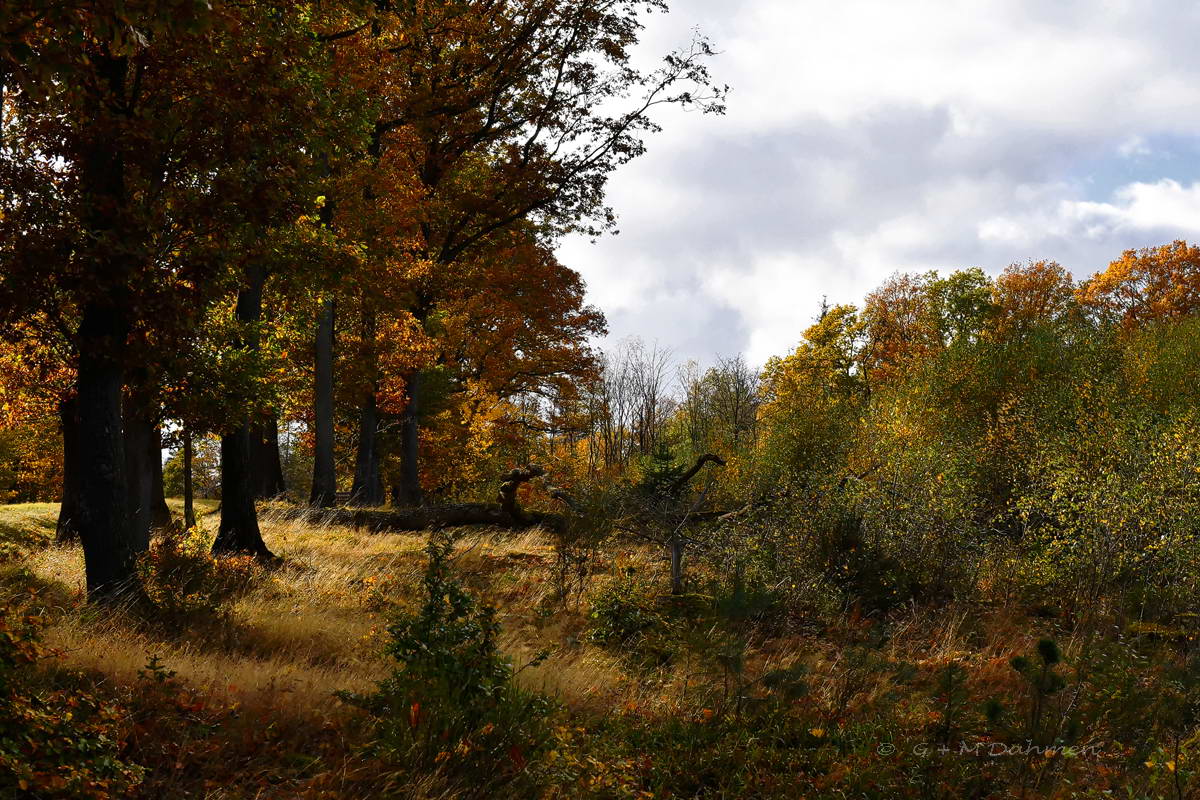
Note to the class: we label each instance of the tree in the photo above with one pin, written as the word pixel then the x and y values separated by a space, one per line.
pixel 497 110
pixel 813 398
pixel 1144 285
pixel 1029 295
pixel 962 304
pixel 37 385
pixel 514 330
pixel 148 172
pixel 87 107
pixel 901 325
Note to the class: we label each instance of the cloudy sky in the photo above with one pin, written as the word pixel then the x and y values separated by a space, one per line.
pixel 866 137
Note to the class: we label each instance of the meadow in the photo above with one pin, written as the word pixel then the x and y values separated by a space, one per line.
pixel 225 686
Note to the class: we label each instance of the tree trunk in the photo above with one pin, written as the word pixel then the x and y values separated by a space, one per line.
pixel 238 531
pixel 68 512
pixel 410 430
pixel 685 478
pixel 273 481
pixel 507 513
pixel 368 484
pixel 138 473
pixel 367 488
pixel 324 486
pixel 676 547
pixel 109 549
pixel 268 466
pixel 189 505
pixel 429 518
pixel 160 514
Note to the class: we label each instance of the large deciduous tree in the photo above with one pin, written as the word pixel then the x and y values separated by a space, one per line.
pixel 132 174
pixel 490 114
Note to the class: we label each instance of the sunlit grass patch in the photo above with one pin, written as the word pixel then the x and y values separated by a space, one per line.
pixel 26 526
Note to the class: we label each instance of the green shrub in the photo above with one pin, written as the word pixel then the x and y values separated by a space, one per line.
pixel 659 473
pixel 577 545
pixel 451 706
pixel 623 610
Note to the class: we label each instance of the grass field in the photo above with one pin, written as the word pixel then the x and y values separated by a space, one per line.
pixel 241 703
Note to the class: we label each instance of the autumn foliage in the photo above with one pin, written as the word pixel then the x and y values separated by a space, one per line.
pixel 309 254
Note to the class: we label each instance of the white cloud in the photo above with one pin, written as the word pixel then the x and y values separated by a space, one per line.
pixel 1163 205
pixel 870 136
pixel 1134 147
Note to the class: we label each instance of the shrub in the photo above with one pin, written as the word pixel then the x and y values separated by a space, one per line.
pixel 451 705
pixel 185 586
pixel 660 471
pixel 577 545
pixel 54 744
pixel 623 610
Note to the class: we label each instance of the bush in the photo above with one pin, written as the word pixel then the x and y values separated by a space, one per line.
pixel 623 610
pixel 578 544
pixel 54 744
pixel 451 705
pixel 185 586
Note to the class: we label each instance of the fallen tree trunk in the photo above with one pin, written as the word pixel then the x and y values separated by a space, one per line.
pixel 425 518
pixel 507 513
pixel 685 478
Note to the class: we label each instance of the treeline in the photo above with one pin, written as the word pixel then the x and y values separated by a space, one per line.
pixel 1029 434
pixel 1025 435
pixel 220 218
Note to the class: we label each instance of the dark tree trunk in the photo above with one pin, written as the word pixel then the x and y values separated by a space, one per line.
pixel 160 515
pixel 410 430
pixel 258 458
pixel 109 548
pixel 189 505
pixel 508 513
pixel 324 486
pixel 268 466
pixel 368 484
pixel 273 482
pixel 429 518
pixel 239 532
pixel 139 474
pixel 68 512
pixel 367 489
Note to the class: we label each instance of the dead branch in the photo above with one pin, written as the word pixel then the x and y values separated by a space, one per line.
pixel 682 481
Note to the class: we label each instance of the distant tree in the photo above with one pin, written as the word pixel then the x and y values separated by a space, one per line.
pixel 1029 295
pixel 1145 285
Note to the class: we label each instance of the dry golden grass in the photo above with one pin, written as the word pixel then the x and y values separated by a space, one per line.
pixel 317 625
pixel 265 673
pixel 295 637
